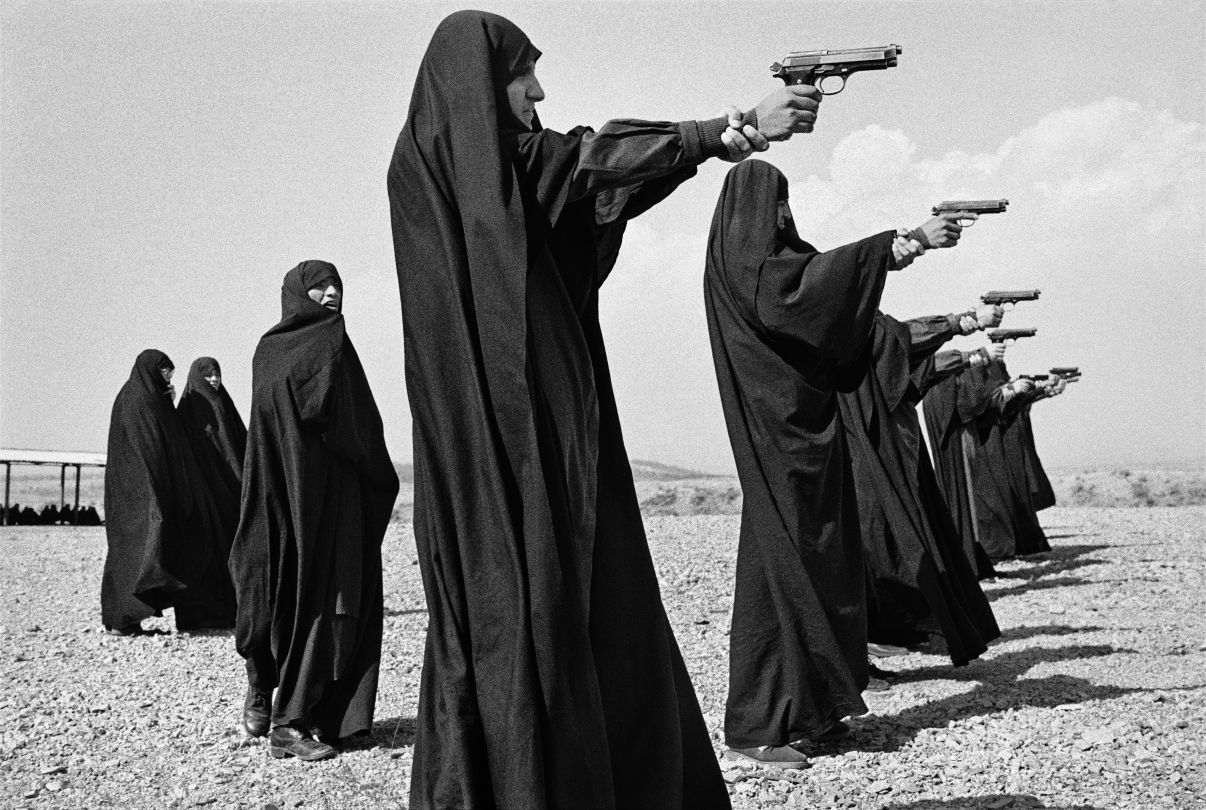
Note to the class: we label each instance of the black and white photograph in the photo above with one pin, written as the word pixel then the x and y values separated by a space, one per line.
pixel 669 405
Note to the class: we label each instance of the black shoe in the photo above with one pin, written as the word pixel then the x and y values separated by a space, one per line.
pixel 287 741
pixel 255 712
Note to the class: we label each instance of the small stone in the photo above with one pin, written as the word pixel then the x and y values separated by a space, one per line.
pixel 54 786
pixel 33 628
pixel 878 786
pixel 51 770
pixel 1056 609
pixel 1175 777
pixel 1182 723
pixel 30 794
pixel 1083 745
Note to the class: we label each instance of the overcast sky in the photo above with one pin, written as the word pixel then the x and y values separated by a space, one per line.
pixel 162 165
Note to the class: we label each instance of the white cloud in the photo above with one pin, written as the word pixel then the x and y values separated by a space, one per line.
pixel 1106 215
pixel 1112 162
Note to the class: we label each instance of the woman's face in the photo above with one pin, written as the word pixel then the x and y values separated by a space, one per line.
pixel 327 293
pixel 523 92
pixel 214 379
pixel 167 374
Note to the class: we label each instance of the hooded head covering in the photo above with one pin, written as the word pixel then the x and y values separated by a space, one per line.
pixel 146 379
pixel 308 336
pixel 211 421
pixel 457 211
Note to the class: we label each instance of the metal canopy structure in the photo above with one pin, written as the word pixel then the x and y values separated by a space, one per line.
pixel 63 458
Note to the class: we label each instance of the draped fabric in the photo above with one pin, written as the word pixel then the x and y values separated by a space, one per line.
pixel 920 581
pixel 1005 523
pixel 217 439
pixel 318 492
pixel 551 676
pixel 156 520
pixel 789 327
pixel 1042 496
pixel 945 426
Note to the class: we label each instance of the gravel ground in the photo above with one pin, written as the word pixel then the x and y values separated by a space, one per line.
pixel 1094 698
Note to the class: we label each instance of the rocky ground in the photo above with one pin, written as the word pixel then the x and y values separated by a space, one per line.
pixel 1095 697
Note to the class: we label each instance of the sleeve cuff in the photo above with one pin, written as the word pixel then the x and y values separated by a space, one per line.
pixel 952 321
pixel 701 139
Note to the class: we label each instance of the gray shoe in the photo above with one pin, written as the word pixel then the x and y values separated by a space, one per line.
pixel 773 756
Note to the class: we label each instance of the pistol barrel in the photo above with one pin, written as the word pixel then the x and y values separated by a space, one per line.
pixel 971 206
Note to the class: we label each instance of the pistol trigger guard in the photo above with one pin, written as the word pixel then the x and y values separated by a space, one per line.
pixel 821 84
pixel 965 222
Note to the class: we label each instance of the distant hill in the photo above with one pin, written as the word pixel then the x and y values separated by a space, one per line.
pixel 641 471
pixel 656 471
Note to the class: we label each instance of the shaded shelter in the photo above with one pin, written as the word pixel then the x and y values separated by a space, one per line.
pixel 789 327
pixel 919 580
pixel 318 491
pixel 551 675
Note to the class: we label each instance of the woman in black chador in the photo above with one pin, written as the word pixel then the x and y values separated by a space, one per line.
pixel 318 492
pixel 919 581
pixel 967 417
pixel 156 520
pixel 218 440
pixel 790 327
pixel 551 675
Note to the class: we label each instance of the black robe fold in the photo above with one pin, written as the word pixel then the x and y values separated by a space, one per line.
pixel 318 493
pixel 789 327
pixel 1021 434
pixel 551 676
pixel 919 580
pixel 1004 519
pixel 218 439
pixel 157 519
pixel 945 426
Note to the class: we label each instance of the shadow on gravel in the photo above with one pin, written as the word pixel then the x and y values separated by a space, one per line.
pixel 999 687
pixel 1033 631
pixel 392 732
pixel 1057 561
pixel 1000 801
pixel 1036 585
pixel 413 611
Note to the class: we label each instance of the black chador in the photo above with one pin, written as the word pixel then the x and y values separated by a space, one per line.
pixel 156 516
pixel 1019 444
pixel 947 415
pixel 217 438
pixel 318 492
pixel 551 675
pixel 789 328
pixel 919 581
pixel 972 410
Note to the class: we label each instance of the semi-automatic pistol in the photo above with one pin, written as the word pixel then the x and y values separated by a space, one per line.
pixel 972 207
pixel 1002 297
pixel 815 67
pixel 1006 335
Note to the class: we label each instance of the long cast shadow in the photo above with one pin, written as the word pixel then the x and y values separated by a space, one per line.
pixel 1036 585
pixel 393 732
pixel 999 687
pixel 1033 631
pixel 410 612
pixel 997 801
